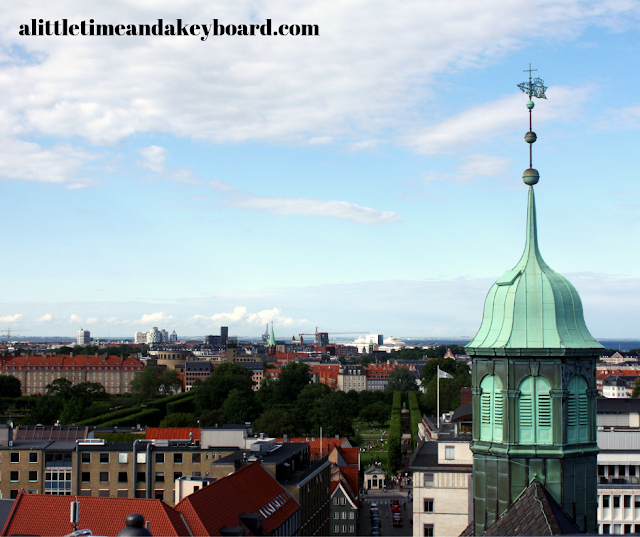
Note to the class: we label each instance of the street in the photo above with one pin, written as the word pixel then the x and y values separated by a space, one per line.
pixel 386 517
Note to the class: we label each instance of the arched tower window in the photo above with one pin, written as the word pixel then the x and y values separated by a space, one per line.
pixel 491 409
pixel 534 411
pixel 577 410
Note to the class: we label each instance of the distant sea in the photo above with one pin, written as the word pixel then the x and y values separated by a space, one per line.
pixel 613 344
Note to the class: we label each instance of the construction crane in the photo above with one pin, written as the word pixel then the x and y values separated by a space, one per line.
pixel 8 332
pixel 325 336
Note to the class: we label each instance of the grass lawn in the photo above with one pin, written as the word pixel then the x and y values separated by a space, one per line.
pixel 374 443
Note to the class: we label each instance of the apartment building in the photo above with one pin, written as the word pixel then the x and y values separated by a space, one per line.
pixel 93 467
pixel 352 377
pixel 442 474
pixel 115 373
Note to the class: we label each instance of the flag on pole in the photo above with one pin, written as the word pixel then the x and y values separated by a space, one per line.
pixel 443 374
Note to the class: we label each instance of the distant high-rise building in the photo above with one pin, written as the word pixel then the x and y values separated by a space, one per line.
pixel 323 339
pixel 214 341
pixel 140 338
pixel 173 336
pixel 83 337
pixel 224 334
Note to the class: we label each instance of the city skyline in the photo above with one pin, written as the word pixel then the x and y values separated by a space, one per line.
pixel 366 178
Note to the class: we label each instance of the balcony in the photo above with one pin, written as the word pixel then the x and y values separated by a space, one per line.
pixel 602 480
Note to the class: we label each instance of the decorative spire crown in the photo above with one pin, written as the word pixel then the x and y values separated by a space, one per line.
pixel 531 307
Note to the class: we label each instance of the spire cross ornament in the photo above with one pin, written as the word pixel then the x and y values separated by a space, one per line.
pixel 533 88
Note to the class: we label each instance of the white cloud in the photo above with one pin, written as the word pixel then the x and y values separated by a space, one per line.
pixel 490 119
pixel 237 314
pixel 91 320
pixel 154 158
pixel 228 90
pixel 473 167
pixel 45 318
pixel 75 318
pixel 111 320
pixel 157 317
pixel 10 318
pixel 241 315
pixel 302 206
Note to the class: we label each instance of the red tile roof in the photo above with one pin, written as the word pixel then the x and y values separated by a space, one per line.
pixel 252 489
pixel 66 360
pixel 39 514
pixel 314 444
pixel 172 433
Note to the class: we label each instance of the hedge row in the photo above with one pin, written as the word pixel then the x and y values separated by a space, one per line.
pixel 395 433
pixel 185 405
pixel 415 417
pixel 110 416
pixel 161 404
pixel 397 402
pixel 149 417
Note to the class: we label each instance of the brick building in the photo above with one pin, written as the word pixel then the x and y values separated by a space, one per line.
pixel 115 373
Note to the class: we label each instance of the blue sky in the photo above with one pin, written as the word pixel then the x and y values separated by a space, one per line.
pixel 368 178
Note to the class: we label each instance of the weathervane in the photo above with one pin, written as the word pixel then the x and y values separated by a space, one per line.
pixel 534 88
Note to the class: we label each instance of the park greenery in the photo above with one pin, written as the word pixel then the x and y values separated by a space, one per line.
pixel 289 404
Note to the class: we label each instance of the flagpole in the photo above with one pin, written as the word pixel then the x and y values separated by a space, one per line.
pixel 438 395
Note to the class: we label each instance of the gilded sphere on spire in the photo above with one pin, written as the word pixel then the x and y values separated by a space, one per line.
pixel 530 177
pixel 530 137
pixel 530 104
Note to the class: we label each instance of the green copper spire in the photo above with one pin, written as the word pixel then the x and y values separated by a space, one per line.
pixel 531 306
pixel 272 338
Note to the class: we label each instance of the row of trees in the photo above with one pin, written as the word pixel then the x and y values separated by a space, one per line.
pixel 288 404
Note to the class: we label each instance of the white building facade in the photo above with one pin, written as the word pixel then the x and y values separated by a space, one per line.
pixel 442 499
pixel 83 337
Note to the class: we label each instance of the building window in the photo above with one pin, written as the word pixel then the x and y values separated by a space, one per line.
pixel 33 456
pixel 336 501
pixel 352 528
pixel 196 458
pixel 605 501
pixel 343 501
pixel 85 458
pixel 141 458
pixel 14 475
pixel 159 477
pixel 491 409
pixel 123 493
pixel 336 529
pixel 159 458
pixel 159 494
pixel 122 477
pixel 428 530
pixel 103 493
pixel 123 458
pixel 33 476
pixel 104 477
pixel 85 477
pixel 14 457
pixel 627 502
pixel 141 477
pixel 450 453
pixel 177 458
pixel 343 515
pixel 428 480
pixel 13 494
pixel 85 492
pixel 428 505
pixel 104 458
pixel 177 475
pixel 616 502
pixel 351 515
pixel 336 515
pixel 627 528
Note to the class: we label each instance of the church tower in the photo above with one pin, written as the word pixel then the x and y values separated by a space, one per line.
pixel 534 384
pixel 271 348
